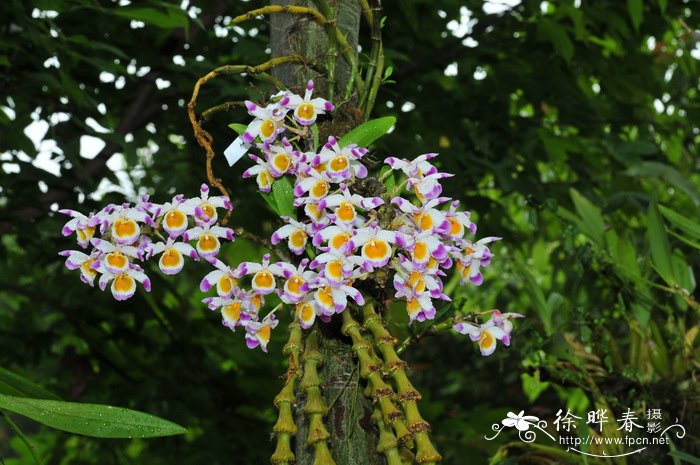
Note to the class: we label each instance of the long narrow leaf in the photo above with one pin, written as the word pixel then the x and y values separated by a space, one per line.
pixel 102 421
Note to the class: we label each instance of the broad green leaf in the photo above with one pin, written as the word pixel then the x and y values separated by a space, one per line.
pixel 283 193
pixel 658 242
pixel 662 5
pixel 15 385
pixel 592 224
pixel 102 421
pixel 556 34
pixel 155 17
pixel 687 225
pixel 239 128
pixel 368 132
pixel 636 11
pixel 314 134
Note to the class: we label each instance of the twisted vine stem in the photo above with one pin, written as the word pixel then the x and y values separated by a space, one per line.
pixel 204 139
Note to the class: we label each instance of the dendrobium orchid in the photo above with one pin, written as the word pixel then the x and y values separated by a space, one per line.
pixel 268 122
pixel 306 109
pixel 350 235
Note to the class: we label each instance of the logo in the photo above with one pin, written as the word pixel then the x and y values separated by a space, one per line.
pixel 604 437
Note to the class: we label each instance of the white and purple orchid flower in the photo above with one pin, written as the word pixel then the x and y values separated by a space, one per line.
pixel 306 109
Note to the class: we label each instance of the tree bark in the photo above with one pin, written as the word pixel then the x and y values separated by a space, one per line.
pixel 353 438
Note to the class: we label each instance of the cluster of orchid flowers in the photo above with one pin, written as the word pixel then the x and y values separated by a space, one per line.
pixel 338 239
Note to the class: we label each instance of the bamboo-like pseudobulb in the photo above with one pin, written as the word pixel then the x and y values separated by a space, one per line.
pixel 388 444
pixel 285 427
pixel 370 370
pixel 315 408
pixel 408 396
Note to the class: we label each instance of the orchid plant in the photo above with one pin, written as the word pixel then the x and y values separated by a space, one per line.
pixel 346 241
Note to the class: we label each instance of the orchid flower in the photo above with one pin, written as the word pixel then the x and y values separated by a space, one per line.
pixel 307 109
pixel 258 333
pixel 203 208
pixel 341 164
pixel 484 335
pixel 263 281
pixel 171 261
pixel 83 226
pixel 124 283
pixel 268 122
pixel 207 236
pixel 296 233
pixel 344 204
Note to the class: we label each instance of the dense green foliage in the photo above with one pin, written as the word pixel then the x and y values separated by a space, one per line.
pixel 573 129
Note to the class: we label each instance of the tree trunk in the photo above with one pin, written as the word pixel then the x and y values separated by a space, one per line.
pixel 353 438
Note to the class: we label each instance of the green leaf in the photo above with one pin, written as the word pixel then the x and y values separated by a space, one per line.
pixel 688 226
pixel 533 387
pixel 15 385
pixel 239 128
pixel 368 132
pixel 636 11
pixel 270 201
pixel 534 290
pixel 101 421
pixel 685 457
pixel 654 170
pixel 662 5
pixel 283 193
pixel 556 34
pixel 171 20
pixel 592 224
pixel 658 242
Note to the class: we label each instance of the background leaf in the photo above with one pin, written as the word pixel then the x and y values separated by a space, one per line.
pixel 368 132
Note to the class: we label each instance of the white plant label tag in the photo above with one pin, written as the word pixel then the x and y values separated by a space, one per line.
pixel 235 151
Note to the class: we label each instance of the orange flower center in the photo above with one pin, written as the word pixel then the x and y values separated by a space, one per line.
pixel 225 284
pixel 208 242
pixel 125 227
pixel 117 260
pixel 232 311
pixel 305 311
pixel 294 284
pixel 346 211
pixel 85 267
pixel 123 283
pixel 264 279
pixel 264 333
pixel 305 111
pixel 264 179
pixel 375 249
pixel 267 129
pixel 420 251
pixel 320 189
pixel 339 240
pixel 486 339
pixel 298 238
pixel 282 162
pixel 325 295
pixel 456 228
pixel 171 258
pixel 335 269
pixel 175 219
pixel 208 209
pixel 339 163
pixel 86 234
